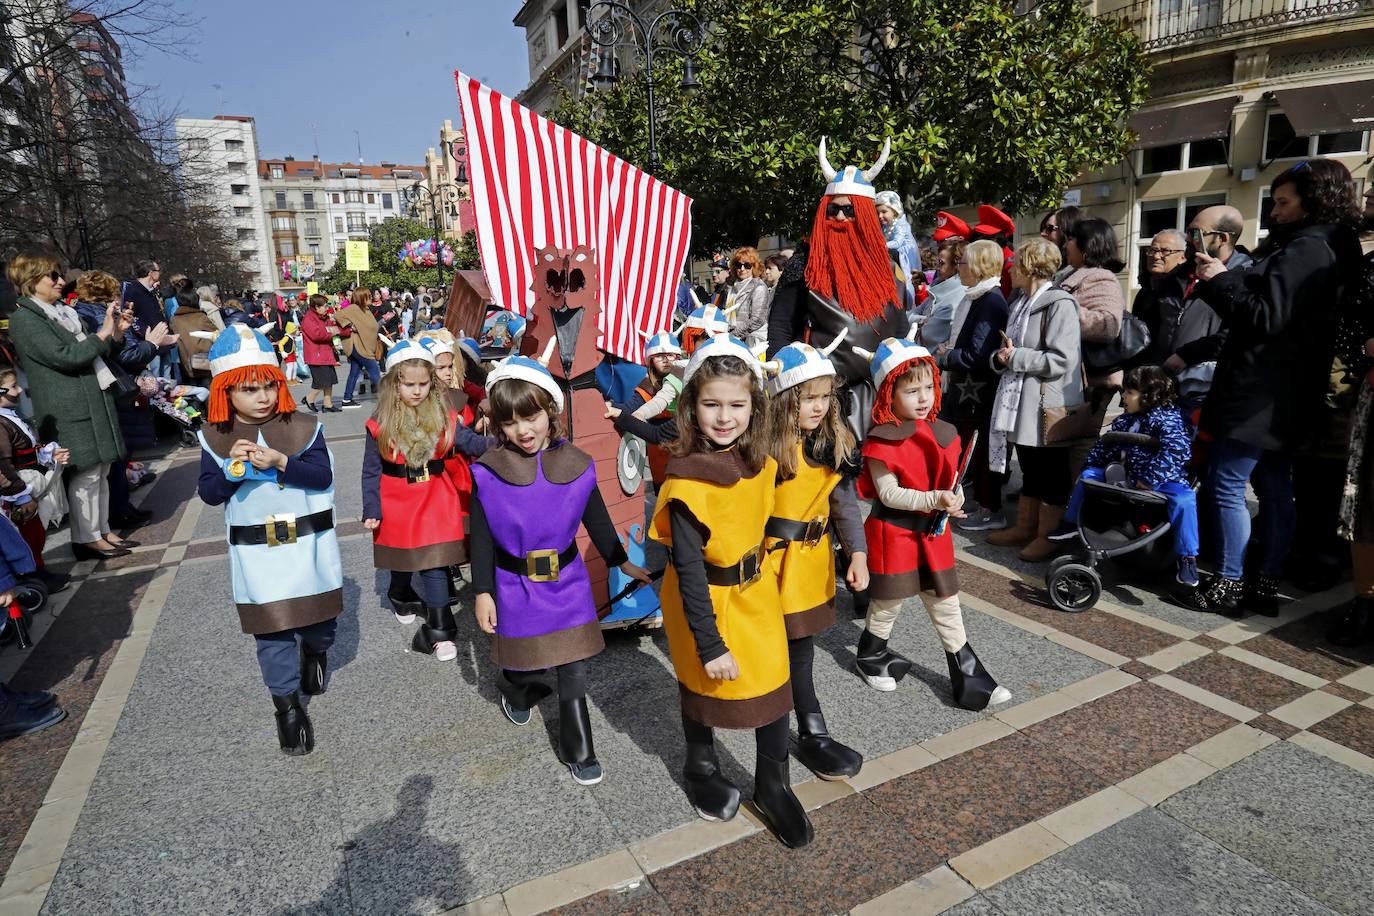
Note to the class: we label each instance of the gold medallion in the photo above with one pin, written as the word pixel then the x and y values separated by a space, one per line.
pixel 237 468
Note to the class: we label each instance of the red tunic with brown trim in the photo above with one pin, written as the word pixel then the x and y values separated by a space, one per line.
pixel 422 514
pixel 924 455
pixel 459 465
pixel 657 454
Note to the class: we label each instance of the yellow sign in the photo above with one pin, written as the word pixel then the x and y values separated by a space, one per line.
pixel 311 288
pixel 356 256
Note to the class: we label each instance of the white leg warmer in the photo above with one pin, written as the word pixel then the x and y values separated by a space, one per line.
pixel 948 618
pixel 882 614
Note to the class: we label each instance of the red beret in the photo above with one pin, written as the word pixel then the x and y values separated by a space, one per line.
pixel 992 221
pixel 949 226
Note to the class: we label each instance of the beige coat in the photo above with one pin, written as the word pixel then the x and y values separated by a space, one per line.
pixel 1100 307
pixel 363 340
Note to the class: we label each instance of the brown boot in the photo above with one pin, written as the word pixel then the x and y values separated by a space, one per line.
pixel 1042 548
pixel 1023 532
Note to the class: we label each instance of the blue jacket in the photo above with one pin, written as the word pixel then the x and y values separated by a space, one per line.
pixel 1150 466
pixel 16 559
pixel 134 354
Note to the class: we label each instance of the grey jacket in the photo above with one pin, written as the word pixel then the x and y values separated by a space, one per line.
pixel 752 296
pixel 1055 362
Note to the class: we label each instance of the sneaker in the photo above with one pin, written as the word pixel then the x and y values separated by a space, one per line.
pixel 445 651
pixel 1066 531
pixel 1187 572
pixel 983 520
pixel 999 695
pixel 401 618
pixel 880 682
pixel 517 716
pixel 31 699
pixel 586 773
pixel 17 720
pixel 349 403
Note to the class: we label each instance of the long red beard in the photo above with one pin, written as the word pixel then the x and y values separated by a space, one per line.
pixel 849 262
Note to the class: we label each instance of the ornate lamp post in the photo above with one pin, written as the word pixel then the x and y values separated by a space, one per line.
pixel 672 30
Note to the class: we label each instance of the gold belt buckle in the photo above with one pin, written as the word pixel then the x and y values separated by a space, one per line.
pixel 815 530
pixel 747 577
pixel 274 539
pixel 423 476
pixel 532 566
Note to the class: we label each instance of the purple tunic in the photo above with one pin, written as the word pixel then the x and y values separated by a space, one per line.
pixel 539 624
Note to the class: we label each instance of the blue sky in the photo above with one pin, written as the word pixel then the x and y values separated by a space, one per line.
pixel 382 68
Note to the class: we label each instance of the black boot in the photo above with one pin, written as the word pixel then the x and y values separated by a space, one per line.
pixel 404 601
pixel 455 582
pixel 778 806
pixel 1217 596
pixel 713 796
pixel 875 662
pixel 294 731
pixel 1355 626
pixel 822 754
pixel 439 626
pixel 973 687
pixel 1261 596
pixel 575 741
pixel 313 668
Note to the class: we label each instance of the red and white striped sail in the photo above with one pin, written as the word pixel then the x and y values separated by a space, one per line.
pixel 535 184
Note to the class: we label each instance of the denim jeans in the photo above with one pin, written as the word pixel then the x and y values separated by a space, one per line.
pixel 1232 464
pixel 356 366
pixel 279 654
pixel 1182 510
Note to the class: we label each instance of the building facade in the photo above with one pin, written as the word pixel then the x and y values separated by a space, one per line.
pixel 219 160
pixel 445 185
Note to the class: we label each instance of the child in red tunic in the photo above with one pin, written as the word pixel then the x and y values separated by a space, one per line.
pixel 411 498
pixel 911 469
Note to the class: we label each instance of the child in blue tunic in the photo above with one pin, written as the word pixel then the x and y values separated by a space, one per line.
pixel 271 470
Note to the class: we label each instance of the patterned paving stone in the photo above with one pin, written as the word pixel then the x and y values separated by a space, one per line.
pixel 1352 727
pixel 1346 692
pixel 1303 645
pixel 963 802
pixel 1140 669
pixel 1123 733
pixel 1275 727
pixel 641 901
pixel 1210 642
pixel 854 858
pixel 1122 636
pixel 1239 682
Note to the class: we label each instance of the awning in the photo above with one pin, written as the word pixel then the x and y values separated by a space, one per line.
pixel 1202 121
pixel 1331 109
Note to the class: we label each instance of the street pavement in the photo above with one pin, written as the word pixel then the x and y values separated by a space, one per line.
pixel 1152 760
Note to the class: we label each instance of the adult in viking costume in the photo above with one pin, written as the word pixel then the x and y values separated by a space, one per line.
pixel 843 279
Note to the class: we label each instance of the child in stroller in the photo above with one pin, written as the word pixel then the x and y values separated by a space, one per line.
pixel 1136 469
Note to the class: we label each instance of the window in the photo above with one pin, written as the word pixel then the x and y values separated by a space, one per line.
pixel 1173 213
pixel 276 171
pixel 243 211
pixel 357 222
pixel 283 223
pixel 560 24
pixel 372 198
pixel 353 197
pixel 1196 154
pixel 286 248
pixel 197 144
pixel 233 146
pixel 312 226
pixel 248 254
pixel 315 251
pixel 308 200
pixel 1265 222
pixel 334 198
pixel 386 202
pixel 338 223
pixel 281 200
pixel 238 168
pixel 238 189
pixel 372 220
pixel 245 233
pixel 1282 142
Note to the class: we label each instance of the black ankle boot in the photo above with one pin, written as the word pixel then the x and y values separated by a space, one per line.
pixel 822 754
pixel 874 659
pixel 778 806
pixel 714 797
pixel 1218 596
pixel 1261 596
pixel 313 668
pixel 439 626
pixel 1355 626
pixel 294 731
pixel 575 741
pixel 404 600
pixel 973 687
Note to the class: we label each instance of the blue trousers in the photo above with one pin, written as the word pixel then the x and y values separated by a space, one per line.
pixel 357 365
pixel 279 654
pixel 1232 465
pixel 1182 510
pixel 433 590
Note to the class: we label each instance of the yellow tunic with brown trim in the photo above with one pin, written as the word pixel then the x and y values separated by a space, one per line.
pixel 733 508
pixel 805 572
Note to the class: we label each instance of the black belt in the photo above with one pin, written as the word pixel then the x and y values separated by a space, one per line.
pixel 742 573
pixel 413 475
pixel 537 565
pixel 916 522
pixel 275 532
pixel 787 529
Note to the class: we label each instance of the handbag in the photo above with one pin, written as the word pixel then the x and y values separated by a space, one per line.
pixel 1064 424
pixel 1128 349
pixel 124 389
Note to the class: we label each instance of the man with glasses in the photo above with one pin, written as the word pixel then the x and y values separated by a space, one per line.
pixel 141 294
pixel 1194 336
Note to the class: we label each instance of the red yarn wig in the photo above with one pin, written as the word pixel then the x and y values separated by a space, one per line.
pixel 882 405
pixel 848 261
pixel 221 411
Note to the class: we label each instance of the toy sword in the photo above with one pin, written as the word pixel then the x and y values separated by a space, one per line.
pixel 941 518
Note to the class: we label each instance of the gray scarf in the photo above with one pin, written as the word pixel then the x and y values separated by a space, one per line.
pixel 1007 402
pixel 65 316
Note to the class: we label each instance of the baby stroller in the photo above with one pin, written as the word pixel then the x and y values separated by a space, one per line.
pixel 175 403
pixel 1117 520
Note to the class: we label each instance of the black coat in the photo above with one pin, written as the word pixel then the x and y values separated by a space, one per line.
pixel 1278 316
pixel 1180 322
pixel 147 306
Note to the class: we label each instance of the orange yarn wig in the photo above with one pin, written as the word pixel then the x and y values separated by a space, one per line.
pixel 882 404
pixel 221 411
pixel 848 261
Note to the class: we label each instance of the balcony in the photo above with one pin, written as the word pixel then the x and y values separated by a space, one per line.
pixel 1166 24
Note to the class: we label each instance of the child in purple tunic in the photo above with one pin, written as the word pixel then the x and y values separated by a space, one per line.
pixel 530 494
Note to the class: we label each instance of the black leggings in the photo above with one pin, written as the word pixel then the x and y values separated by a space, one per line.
pixel 524 686
pixel 433 589
pixel 801 653
pixel 1045 473
pixel 769 740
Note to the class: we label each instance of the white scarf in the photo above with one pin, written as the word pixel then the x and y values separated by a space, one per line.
pixel 976 291
pixel 1006 404
pixel 65 316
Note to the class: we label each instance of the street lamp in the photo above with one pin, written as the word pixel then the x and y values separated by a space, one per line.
pixel 620 25
pixel 439 198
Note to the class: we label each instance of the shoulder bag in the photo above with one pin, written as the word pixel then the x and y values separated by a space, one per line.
pixel 1064 424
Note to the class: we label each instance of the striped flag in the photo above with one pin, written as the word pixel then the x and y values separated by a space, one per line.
pixel 535 184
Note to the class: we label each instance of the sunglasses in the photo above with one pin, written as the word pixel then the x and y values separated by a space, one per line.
pixel 835 211
pixel 743 266
pixel 55 276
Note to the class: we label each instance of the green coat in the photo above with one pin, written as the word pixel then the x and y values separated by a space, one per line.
pixel 68 403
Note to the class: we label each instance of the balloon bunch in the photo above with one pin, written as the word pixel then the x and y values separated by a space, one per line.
pixel 421 253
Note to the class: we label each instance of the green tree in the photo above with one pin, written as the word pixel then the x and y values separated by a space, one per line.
pixel 384 242
pixel 981 104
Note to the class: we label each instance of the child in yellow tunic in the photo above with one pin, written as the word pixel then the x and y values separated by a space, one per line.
pixel 723 617
pixel 811 443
